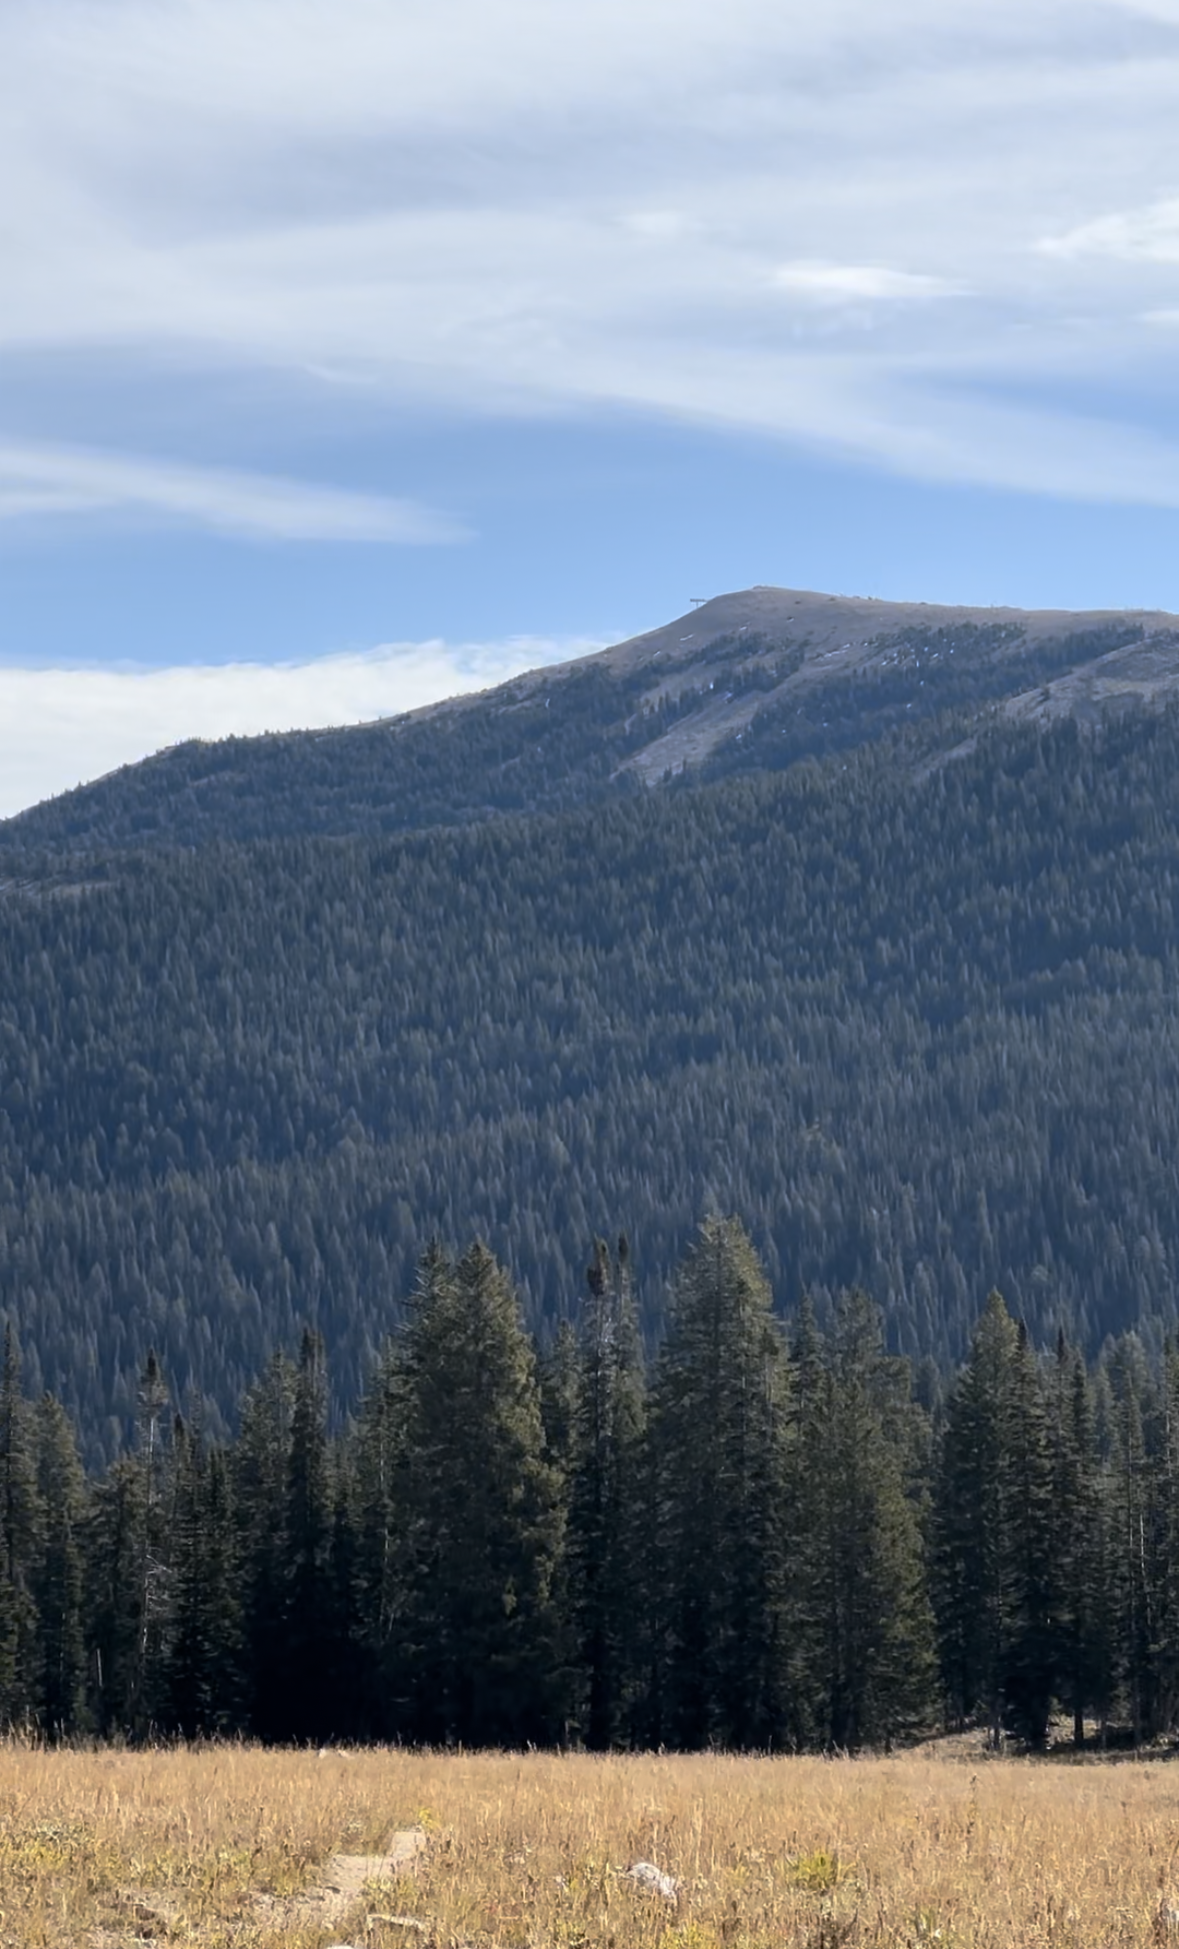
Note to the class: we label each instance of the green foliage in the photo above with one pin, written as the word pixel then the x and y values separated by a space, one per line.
pixel 719 1445
pixel 923 1034
pixel 474 1646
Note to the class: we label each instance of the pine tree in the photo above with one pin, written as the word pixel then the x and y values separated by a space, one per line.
pixel 58 1585
pixel 476 1655
pixel 974 1597
pixel 202 1685
pixel 1033 1648
pixel 603 1542
pixel 1130 1500
pixel 997 1574
pixel 557 1375
pixel 718 1436
pixel 20 1546
pixel 259 1486
pixel 1166 1503
pixel 147 1697
pixel 312 1663
pixel 375 1463
pixel 807 1524
pixel 113 1554
pixel 1079 1547
pixel 878 1640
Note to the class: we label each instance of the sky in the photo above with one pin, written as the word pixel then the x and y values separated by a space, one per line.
pixel 355 355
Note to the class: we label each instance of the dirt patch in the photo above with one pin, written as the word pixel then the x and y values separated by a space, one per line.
pixel 152 1917
pixel 345 1879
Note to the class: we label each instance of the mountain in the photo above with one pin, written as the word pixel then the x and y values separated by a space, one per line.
pixel 752 681
pixel 917 1026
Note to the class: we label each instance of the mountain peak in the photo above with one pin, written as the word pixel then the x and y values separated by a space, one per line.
pixel 754 679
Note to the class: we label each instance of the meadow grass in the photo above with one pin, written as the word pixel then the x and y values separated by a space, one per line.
pixel 111 1848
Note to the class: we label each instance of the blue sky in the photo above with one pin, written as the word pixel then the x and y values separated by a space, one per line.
pixel 353 355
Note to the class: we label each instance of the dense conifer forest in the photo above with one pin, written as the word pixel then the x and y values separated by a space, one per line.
pixel 920 1028
pixel 763 1538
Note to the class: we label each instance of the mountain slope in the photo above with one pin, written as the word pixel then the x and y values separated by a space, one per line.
pixel 754 680
pixel 921 1033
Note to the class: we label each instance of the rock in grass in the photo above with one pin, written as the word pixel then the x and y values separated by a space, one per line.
pixel 653 1879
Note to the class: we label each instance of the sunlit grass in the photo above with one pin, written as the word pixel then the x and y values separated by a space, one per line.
pixel 111 1848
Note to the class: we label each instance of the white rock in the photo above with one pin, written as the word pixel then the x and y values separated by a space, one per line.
pixel 654 1880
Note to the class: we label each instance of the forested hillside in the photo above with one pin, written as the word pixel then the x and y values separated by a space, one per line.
pixel 922 1034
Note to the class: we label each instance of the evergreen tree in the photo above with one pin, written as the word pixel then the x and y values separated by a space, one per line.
pixel 259 1471
pixel 604 1537
pixel 312 1663
pixel 147 1697
pixel 20 1545
pixel 1080 1553
pixel 718 1436
pixel 1166 1503
pixel 202 1677
pixel 974 1593
pixel 1033 1647
pixel 481 1518
pixel 377 1454
pixel 113 1554
pixel 877 1637
pixel 1131 1513
pixel 58 1585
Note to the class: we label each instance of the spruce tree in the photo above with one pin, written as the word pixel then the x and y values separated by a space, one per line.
pixel 973 1588
pixel 476 1651
pixel 1033 1647
pixel 604 1541
pixel 113 1554
pixel 312 1655
pixel 20 1545
pixel 998 1576
pixel 1131 1509
pixel 376 1460
pixel 259 1485
pixel 202 1684
pixel 1080 1557
pixel 877 1633
pixel 155 1541
pixel 807 1526
pixel 58 1584
pixel 718 1437
pixel 1166 1503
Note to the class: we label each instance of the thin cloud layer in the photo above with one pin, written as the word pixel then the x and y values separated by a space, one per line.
pixel 750 215
pixel 36 481
pixel 845 283
pixel 59 728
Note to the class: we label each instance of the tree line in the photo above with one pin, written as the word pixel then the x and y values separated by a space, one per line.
pixel 772 1536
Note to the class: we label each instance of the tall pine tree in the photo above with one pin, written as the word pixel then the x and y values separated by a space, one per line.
pixel 476 1636
pixel 718 1434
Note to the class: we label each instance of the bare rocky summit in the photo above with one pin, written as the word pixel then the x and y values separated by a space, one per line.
pixel 751 681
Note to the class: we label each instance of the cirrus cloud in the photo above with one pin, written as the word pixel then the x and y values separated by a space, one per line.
pixel 841 283
pixel 37 481
pixel 496 206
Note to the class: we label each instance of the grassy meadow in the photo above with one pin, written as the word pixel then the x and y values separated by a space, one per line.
pixel 238 1846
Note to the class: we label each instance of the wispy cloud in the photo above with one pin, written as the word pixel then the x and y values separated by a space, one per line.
pixel 844 283
pixel 39 481
pixel 495 202
pixel 59 728
pixel 1149 235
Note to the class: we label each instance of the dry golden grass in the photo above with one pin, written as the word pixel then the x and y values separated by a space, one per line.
pixel 111 1848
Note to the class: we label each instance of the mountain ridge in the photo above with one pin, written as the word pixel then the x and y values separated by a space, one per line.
pixel 755 679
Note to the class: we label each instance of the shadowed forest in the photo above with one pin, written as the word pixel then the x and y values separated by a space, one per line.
pixel 766 1541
